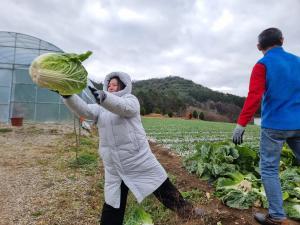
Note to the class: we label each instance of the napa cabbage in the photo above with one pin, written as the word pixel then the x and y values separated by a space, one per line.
pixel 211 161
pixel 139 217
pixel 240 191
pixel 60 72
pixel 292 209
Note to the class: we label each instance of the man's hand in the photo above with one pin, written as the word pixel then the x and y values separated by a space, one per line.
pixel 237 137
pixel 98 94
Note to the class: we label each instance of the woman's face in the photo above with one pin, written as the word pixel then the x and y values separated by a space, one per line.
pixel 113 85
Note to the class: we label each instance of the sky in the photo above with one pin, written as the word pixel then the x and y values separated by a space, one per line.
pixel 211 42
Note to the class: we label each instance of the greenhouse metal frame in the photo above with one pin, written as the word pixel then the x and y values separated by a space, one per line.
pixel 19 96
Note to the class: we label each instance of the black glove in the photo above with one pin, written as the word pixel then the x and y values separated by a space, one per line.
pixel 64 96
pixel 98 94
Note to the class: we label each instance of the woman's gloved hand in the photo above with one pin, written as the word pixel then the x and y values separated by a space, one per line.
pixel 98 94
pixel 64 96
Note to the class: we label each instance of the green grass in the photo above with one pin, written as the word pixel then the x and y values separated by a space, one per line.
pixel 37 213
pixel 87 159
pixel 84 159
pixel 195 196
pixel 5 130
pixel 88 142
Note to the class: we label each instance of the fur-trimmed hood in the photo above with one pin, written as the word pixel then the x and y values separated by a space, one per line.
pixel 124 77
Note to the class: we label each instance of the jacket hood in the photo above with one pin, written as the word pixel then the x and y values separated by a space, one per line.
pixel 124 77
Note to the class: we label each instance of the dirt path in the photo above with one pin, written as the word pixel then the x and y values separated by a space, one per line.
pixel 36 186
pixel 20 172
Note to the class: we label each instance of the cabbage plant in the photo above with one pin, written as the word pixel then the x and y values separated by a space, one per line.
pixel 61 72
pixel 139 217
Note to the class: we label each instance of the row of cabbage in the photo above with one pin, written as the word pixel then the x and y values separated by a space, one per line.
pixel 182 135
pixel 234 172
pixel 208 152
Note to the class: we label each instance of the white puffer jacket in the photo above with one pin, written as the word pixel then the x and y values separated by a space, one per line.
pixel 123 148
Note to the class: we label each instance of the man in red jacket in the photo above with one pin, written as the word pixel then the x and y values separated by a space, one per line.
pixel 275 80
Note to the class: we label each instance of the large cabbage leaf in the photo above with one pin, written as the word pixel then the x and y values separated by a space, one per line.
pixel 60 72
pixel 292 209
pixel 211 161
pixel 240 191
pixel 287 159
pixel 248 159
pixel 139 217
pixel 239 199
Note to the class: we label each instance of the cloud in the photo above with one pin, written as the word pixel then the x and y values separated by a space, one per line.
pixel 225 20
pixel 210 42
pixel 129 15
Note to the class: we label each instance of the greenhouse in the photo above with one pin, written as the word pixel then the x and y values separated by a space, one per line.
pixel 19 96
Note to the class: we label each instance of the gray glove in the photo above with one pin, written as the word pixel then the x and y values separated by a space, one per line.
pixel 98 94
pixel 237 137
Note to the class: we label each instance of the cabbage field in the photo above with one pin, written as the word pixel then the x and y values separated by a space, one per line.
pixel 183 135
pixel 48 179
pixel 207 151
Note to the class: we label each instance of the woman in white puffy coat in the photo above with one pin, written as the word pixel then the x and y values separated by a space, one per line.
pixel 128 161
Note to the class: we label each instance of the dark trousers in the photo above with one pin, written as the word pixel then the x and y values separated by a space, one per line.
pixel 166 193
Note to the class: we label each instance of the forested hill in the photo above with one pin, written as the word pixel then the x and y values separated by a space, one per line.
pixel 179 96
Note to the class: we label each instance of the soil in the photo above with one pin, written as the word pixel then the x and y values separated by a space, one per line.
pixel 154 115
pixel 35 188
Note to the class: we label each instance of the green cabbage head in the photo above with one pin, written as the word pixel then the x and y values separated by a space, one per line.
pixel 60 72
